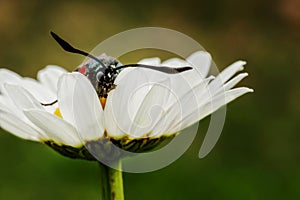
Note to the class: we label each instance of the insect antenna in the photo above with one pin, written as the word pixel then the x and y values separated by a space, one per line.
pixel 163 69
pixel 67 47
pixel 49 104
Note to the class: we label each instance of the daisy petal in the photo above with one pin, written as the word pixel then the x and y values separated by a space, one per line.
pixel 111 124
pixel 49 76
pixel 4 108
pixel 40 92
pixel 21 97
pixel 200 61
pixel 221 100
pixel 7 105
pixel 87 110
pixel 226 74
pixel 54 127
pixel 175 62
pixel 66 87
pixel 123 102
pixel 150 61
pixel 18 127
pixel 146 61
pixel 151 109
pixel 230 84
pixel 7 76
pixel 210 107
pixel 182 103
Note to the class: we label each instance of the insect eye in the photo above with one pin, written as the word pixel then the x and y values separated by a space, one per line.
pixel 99 76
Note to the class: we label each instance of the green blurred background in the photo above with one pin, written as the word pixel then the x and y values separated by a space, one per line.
pixel 258 154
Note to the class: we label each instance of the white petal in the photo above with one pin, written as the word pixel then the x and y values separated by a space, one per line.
pixel 230 84
pixel 210 107
pixel 123 102
pixel 151 110
pixel 22 100
pixel 49 76
pixel 201 61
pixel 111 123
pixel 150 61
pixel 181 86
pixel 18 127
pixel 124 73
pixel 175 62
pixel 4 108
pixel 182 105
pixel 219 100
pixel 146 61
pixel 7 76
pixel 34 87
pixel 55 128
pixel 7 105
pixel 226 74
pixel 39 91
pixel 87 110
pixel 21 97
pixel 66 87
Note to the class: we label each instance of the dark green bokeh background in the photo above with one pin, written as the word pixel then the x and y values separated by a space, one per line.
pixel 258 155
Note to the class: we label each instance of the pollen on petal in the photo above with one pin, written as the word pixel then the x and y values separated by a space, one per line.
pixel 103 102
pixel 57 113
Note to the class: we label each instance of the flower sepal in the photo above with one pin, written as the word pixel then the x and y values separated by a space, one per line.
pixel 109 149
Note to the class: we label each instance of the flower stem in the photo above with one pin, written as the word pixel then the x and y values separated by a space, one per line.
pixel 111 182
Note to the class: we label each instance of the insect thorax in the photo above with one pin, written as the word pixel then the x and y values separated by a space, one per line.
pixel 101 78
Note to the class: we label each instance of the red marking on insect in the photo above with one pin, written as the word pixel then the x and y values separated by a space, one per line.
pixel 82 70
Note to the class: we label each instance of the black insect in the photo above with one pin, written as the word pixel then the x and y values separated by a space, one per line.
pixel 103 70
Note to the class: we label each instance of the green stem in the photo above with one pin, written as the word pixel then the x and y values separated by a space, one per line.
pixel 111 182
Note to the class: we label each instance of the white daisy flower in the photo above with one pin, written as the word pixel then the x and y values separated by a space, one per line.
pixel 143 106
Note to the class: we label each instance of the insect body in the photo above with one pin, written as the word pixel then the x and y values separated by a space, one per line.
pixel 103 70
pixel 101 78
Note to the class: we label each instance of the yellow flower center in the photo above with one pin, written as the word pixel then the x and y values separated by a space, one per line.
pixel 57 113
pixel 102 101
